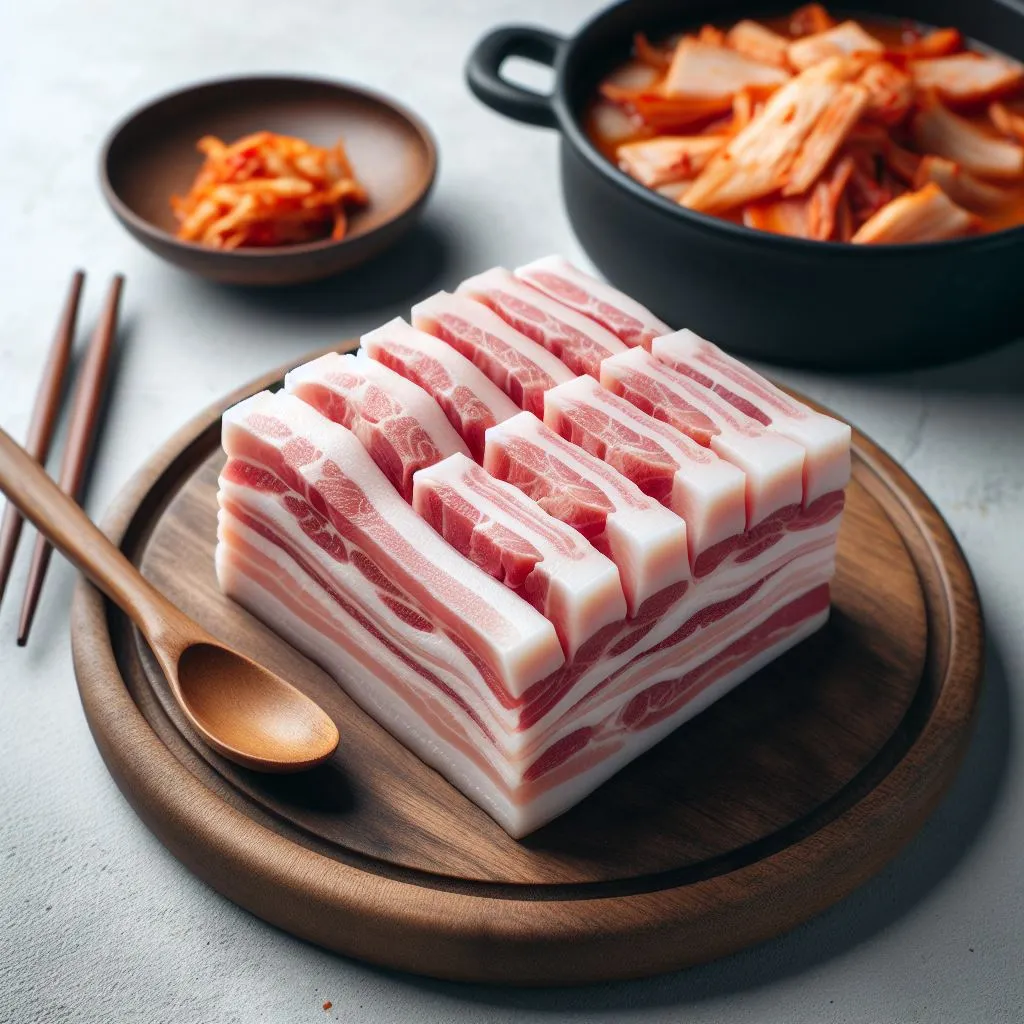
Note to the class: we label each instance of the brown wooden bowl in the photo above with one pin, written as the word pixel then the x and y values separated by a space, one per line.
pixel 151 155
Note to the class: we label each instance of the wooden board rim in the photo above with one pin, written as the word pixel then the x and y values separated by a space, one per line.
pixel 469 937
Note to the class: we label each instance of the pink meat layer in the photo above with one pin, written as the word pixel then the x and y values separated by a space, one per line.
pixel 400 425
pixel 335 479
pixel 630 322
pixel 825 440
pixel 522 369
pixel 513 539
pixel 773 465
pixel 708 492
pixel 470 400
pixel 574 338
pixel 644 539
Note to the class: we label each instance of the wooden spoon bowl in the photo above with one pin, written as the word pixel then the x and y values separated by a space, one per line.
pixel 152 155
pixel 242 710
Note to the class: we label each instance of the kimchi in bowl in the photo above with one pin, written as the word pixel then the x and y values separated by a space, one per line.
pixel 787 299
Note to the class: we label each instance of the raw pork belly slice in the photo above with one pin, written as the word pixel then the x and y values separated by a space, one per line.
pixel 470 400
pixel 708 492
pixel 630 322
pixel 513 539
pixel 773 465
pixel 400 425
pixel 578 632
pixel 825 440
pixel 523 369
pixel 643 538
pixel 334 478
pixel 575 339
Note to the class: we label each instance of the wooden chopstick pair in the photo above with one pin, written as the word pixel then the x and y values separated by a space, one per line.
pixel 85 414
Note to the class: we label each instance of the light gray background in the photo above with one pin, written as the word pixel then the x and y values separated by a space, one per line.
pixel 97 921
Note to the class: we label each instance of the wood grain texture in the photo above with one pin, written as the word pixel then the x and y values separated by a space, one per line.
pixel 758 814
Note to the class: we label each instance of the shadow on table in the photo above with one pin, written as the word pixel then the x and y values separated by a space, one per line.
pixel 997 372
pixel 930 859
pixel 383 288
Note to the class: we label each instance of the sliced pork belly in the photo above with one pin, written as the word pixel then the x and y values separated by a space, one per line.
pixel 643 538
pixel 523 369
pixel 825 440
pixel 333 476
pixel 400 425
pixel 470 400
pixel 706 491
pixel 773 465
pixel 575 339
pixel 576 634
pixel 630 322
pixel 514 540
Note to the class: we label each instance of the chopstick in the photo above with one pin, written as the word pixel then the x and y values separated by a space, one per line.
pixel 44 418
pixel 85 414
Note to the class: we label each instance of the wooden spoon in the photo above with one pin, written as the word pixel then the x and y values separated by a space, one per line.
pixel 243 711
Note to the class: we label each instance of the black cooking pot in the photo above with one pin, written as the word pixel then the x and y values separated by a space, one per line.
pixel 787 300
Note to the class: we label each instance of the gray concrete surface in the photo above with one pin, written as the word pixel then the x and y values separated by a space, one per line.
pixel 97 921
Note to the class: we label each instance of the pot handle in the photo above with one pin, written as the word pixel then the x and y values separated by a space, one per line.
pixel 483 72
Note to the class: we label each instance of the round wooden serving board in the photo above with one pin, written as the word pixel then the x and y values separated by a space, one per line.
pixel 756 815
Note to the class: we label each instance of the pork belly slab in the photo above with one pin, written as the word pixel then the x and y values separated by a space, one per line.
pixel 655 525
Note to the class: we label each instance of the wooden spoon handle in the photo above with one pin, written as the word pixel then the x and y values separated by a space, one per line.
pixel 71 531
